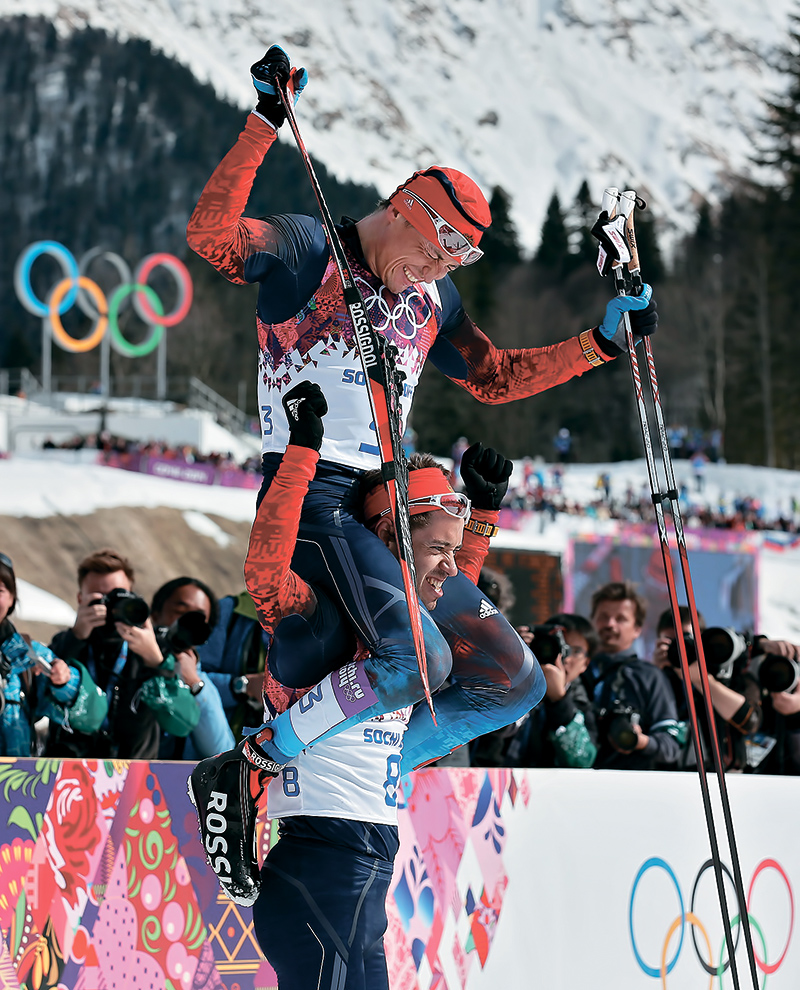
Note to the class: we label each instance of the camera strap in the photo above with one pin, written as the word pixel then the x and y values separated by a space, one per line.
pixel 119 665
pixel 618 685
pixel 606 696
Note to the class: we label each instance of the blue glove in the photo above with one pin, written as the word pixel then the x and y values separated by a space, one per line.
pixel 276 62
pixel 643 317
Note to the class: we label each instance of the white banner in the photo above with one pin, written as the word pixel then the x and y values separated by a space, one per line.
pixel 609 885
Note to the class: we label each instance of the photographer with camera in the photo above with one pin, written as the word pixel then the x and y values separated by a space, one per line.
pixel 562 729
pixel 184 612
pixel 776 666
pixel 635 706
pixel 21 697
pixel 113 637
pixel 734 691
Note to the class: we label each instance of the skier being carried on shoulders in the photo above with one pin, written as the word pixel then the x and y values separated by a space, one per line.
pixel 400 255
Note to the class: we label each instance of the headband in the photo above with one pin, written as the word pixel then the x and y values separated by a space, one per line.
pixel 422 483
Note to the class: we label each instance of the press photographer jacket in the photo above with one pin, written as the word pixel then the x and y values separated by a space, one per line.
pixel 131 731
pixel 646 689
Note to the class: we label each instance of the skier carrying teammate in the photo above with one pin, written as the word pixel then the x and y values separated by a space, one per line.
pixel 401 255
pixel 344 779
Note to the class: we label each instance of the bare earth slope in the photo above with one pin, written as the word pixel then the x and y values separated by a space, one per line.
pixel 158 541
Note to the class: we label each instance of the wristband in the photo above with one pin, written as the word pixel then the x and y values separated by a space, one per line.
pixel 481 528
pixel 589 352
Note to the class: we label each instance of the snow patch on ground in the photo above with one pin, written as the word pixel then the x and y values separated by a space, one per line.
pixel 201 524
pixel 36 605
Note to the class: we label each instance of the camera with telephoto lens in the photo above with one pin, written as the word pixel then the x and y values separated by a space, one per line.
pixel 548 643
pixel 123 606
pixel 188 630
pixel 722 647
pixel 617 723
pixel 776 673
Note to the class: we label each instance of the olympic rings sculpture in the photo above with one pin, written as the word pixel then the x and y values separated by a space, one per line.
pixel 76 288
pixel 689 917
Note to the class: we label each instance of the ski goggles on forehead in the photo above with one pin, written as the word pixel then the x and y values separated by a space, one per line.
pixel 454 504
pixel 451 241
pixel 6 561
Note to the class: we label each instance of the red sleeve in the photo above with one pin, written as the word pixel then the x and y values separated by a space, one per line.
pixel 470 558
pixel 495 375
pixel 275 589
pixel 217 231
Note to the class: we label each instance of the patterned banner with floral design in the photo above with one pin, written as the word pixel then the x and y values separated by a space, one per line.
pixel 545 878
pixel 104 884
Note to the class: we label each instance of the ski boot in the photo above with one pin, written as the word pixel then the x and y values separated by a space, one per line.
pixel 225 791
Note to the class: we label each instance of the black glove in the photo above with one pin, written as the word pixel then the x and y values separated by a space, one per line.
pixel 485 474
pixel 276 63
pixel 644 321
pixel 305 405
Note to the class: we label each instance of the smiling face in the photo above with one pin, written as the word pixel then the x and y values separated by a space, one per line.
pixel 399 255
pixel 434 554
pixel 434 547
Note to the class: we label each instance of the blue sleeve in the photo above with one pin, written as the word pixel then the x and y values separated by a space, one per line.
pixel 453 312
pixel 66 694
pixel 289 267
pixel 444 355
pixel 213 733
pixel 211 653
pixel 222 684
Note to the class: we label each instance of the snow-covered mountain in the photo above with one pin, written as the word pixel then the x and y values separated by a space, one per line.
pixel 532 95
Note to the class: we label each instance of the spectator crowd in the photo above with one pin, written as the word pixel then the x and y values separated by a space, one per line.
pixel 181 677
pixel 122 451
pixel 539 490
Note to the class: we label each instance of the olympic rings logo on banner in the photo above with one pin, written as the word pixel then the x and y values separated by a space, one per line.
pixel 689 917
pixel 76 288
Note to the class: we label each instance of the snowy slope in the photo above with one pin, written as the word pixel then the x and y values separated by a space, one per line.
pixel 38 487
pixel 532 95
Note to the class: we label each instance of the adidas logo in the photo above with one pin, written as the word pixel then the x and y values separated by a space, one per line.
pixel 486 610
pixel 292 405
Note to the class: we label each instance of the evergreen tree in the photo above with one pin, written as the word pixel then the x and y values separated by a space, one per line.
pixel 580 219
pixel 782 125
pixel 500 243
pixel 554 246
pixel 650 257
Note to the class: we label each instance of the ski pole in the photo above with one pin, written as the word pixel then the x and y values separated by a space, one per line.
pixel 629 201
pixel 630 281
pixel 384 400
